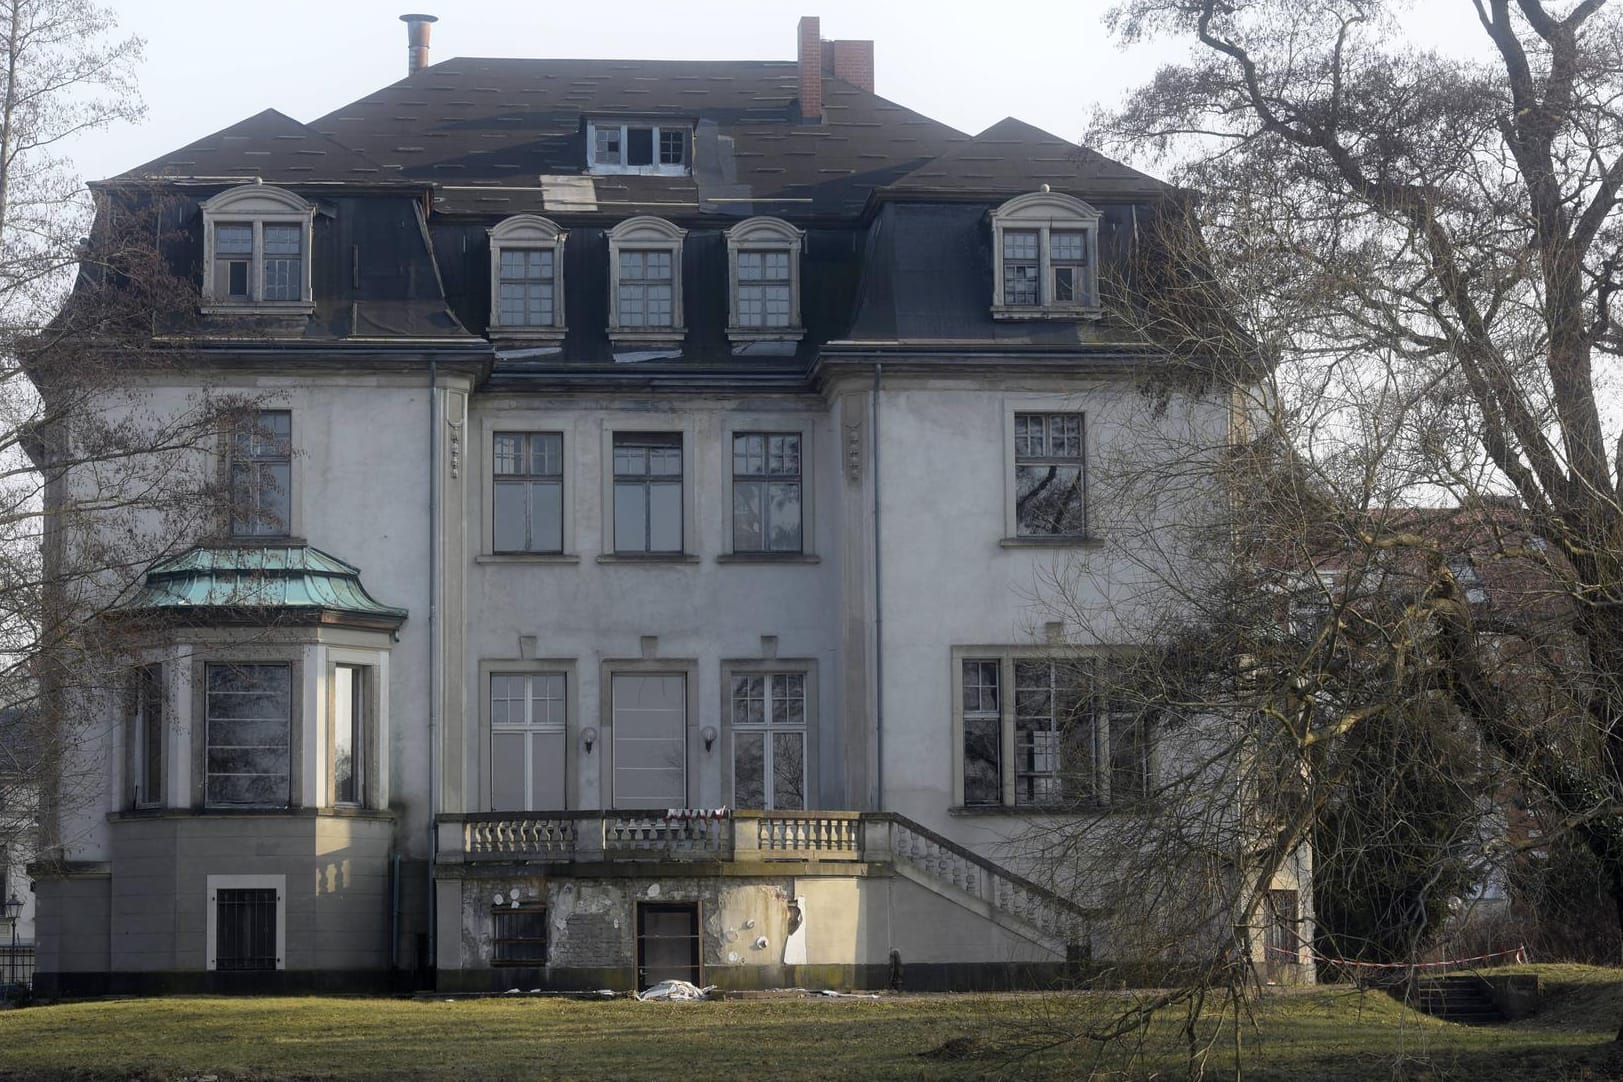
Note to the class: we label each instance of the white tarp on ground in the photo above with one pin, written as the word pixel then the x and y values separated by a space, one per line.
pixel 676 990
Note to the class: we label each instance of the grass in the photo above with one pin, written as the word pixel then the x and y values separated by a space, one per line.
pixel 1324 1034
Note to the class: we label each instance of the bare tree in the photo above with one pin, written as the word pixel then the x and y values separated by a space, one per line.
pixel 98 479
pixel 1401 275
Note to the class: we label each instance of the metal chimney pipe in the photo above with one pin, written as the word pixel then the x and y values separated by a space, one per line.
pixel 418 28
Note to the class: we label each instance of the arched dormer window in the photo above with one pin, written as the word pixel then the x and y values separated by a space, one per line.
pixel 763 275
pixel 1045 252
pixel 526 279
pixel 645 281
pixel 257 240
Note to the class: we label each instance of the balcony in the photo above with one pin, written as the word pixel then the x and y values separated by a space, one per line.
pixel 592 836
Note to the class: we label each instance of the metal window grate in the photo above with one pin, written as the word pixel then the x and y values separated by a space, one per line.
pixel 519 936
pixel 245 929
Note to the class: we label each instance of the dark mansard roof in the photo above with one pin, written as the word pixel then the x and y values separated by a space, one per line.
pixel 410 177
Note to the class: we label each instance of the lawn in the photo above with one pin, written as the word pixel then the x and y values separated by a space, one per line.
pixel 1324 1034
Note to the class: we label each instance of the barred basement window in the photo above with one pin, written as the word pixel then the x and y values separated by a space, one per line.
pixel 245 929
pixel 519 936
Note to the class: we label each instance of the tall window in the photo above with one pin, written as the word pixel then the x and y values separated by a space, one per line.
pixel 526 282
pixel 1045 249
pixel 529 492
pixel 262 475
pixel 349 710
pixel 258 240
pixel 645 282
pixel 527 718
pixel 763 261
pixel 1022 266
pixel 766 492
pixel 983 732
pixel 647 492
pixel 1053 733
pixel 647 289
pixel 1050 493
pixel 526 288
pixel 650 740
pixel 1043 730
pixel 148 742
pixel 768 721
pixel 248 714
pixel 763 288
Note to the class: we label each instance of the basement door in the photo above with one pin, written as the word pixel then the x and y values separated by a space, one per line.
pixel 667 943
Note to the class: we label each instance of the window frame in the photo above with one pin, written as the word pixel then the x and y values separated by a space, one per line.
pixel 694 750
pixel 1078 462
pixel 761 235
pixel 657 129
pixel 527 233
pixel 261 524
pixel 565 667
pixel 1101 777
pixel 498 940
pixel 294 758
pixel 217 883
pixel 149 744
pixel 256 205
pixel 674 426
pixel 498 481
pixel 766 479
pixel 646 233
pixel 807 670
pixel 1045 213
pixel 1046 404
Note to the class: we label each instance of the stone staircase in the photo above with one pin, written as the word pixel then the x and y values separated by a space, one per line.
pixel 1460 997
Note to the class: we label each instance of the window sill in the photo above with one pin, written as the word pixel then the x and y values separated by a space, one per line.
pixel 527 558
pixel 959 811
pixel 543 335
pixel 262 308
pixel 1081 541
pixel 654 336
pixel 1023 312
pixel 648 558
pixel 768 558
pixel 776 334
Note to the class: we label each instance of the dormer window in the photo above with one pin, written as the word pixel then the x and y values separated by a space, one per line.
pixel 1046 250
pixel 645 272
pixel 258 242
pixel 526 279
pixel 661 148
pixel 763 262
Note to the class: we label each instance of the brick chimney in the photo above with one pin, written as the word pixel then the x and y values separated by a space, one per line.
pixel 809 57
pixel 418 28
pixel 853 63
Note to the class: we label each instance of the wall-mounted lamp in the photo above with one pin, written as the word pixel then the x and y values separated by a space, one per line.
pixel 708 735
pixel 588 737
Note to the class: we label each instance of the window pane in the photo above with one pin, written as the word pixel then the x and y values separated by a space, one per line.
pixel 650 729
pixel 639 146
pixel 247 715
pixel 749 700
pixel 748 519
pixel 1020 245
pixel 283 239
pixel 507 763
pixel 983 772
pixel 346 720
pixel 1019 283
pixel 672 147
pixel 547 772
pixel 233 238
pixel 789 770
pixel 630 517
pixel 749 769
pixel 607 149
pixel 789 699
pixel 511 534
pixel 546 517
pixel 1067 246
pixel 1049 500
pixel 665 517
pixel 783 503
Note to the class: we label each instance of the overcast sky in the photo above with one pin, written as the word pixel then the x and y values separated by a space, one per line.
pixel 968 63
